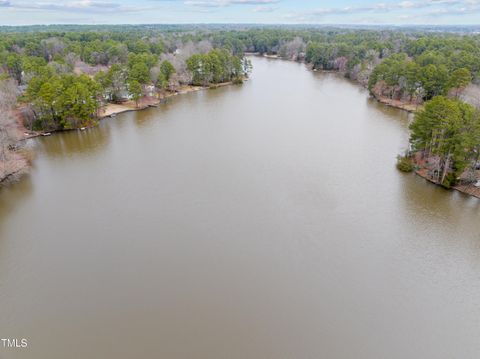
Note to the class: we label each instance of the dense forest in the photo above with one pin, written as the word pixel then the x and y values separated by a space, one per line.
pixel 63 75
pixel 406 65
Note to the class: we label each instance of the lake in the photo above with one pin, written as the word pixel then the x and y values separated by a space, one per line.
pixel 263 221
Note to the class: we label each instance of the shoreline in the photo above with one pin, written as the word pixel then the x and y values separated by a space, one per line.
pixel 14 176
pixel 422 169
pixel 400 105
pixel 110 110
pixel 405 106
pixel 409 107
pixel 469 190
pixel 20 165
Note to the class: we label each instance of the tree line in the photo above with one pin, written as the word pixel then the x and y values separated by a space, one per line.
pixel 408 65
pixel 66 76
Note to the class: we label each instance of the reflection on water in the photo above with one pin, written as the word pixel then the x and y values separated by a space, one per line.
pixel 402 116
pixel 259 221
pixel 12 196
pixel 75 142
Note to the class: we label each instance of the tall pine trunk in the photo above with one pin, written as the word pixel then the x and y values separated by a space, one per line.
pixel 445 168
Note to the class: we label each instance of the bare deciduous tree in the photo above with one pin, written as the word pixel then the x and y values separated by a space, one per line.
pixel 9 161
pixel 154 74
pixel 293 50
pixel 52 47
pixel 71 59
pixel 204 47
pixel 179 58
pixel 471 95
pixel 8 128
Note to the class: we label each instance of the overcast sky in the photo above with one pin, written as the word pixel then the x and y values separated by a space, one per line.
pixel 18 12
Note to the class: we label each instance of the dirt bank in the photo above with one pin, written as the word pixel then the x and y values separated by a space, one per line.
pixel 470 190
pixel 112 109
pixel 406 106
pixel 423 171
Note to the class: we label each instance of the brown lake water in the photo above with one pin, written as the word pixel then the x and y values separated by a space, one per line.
pixel 257 221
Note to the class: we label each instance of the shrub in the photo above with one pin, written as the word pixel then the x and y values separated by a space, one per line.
pixel 450 180
pixel 237 81
pixel 405 164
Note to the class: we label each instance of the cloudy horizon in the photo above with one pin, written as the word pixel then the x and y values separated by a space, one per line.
pixel 426 12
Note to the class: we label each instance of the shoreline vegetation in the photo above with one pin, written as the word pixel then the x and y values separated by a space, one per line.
pixel 458 161
pixel 110 110
pixel 467 189
pixel 72 80
pixel 113 109
pixel 444 145
pixel 399 104
pixel 68 79
pixel 19 164
pixel 415 162
pixel 13 169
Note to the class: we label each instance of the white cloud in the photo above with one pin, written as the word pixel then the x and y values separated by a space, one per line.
pixel 263 8
pixel 223 3
pixel 70 6
pixel 415 9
